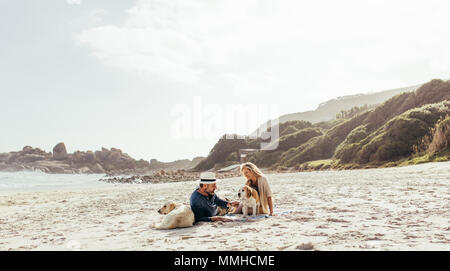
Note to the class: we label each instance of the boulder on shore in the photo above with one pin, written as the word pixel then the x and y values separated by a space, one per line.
pixel 97 168
pixel 59 151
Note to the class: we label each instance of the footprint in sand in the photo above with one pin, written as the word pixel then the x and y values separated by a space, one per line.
pixel 302 219
pixel 248 230
pixel 283 247
pixel 337 220
pixel 324 226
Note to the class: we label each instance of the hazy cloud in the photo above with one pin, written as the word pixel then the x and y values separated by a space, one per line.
pixel 256 46
pixel 73 2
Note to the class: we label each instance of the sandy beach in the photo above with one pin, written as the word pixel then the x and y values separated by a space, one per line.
pixel 403 208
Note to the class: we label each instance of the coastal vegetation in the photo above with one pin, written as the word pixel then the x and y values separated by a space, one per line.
pixel 411 127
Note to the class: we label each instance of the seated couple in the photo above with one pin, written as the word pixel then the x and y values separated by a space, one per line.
pixel 205 203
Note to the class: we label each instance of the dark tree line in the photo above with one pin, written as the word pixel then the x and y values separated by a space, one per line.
pixel 350 113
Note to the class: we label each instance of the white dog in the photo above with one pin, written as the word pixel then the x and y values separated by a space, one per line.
pixel 177 216
pixel 249 198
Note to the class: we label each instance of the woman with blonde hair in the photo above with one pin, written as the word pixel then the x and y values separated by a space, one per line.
pixel 258 181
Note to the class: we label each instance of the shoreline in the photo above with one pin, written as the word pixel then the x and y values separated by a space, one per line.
pixel 321 166
pixel 171 176
pixel 176 175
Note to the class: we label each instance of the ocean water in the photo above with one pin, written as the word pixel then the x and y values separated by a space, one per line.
pixel 29 180
pixel 423 173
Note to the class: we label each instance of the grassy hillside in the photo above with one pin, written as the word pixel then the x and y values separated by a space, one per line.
pixel 395 139
pixel 327 111
pixel 225 152
pixel 361 129
pixel 368 135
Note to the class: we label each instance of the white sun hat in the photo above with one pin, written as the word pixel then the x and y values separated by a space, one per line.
pixel 208 178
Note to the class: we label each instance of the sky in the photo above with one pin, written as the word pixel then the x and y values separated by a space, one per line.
pixel 158 78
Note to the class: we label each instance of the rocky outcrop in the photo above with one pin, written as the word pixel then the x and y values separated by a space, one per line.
pixel 166 176
pixel 59 151
pixel 105 161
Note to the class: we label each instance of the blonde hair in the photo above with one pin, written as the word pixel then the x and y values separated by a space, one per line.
pixel 253 168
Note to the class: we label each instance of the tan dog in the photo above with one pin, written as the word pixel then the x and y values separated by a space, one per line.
pixel 249 199
pixel 221 211
pixel 177 216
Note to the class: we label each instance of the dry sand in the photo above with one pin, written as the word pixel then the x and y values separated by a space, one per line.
pixel 376 209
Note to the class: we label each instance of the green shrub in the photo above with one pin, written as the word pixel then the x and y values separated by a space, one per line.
pixel 233 157
pixel 438 139
pixel 264 158
pixel 224 148
pixel 397 138
pixel 296 139
pixel 441 136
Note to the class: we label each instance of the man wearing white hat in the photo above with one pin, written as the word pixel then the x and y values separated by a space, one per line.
pixel 204 202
